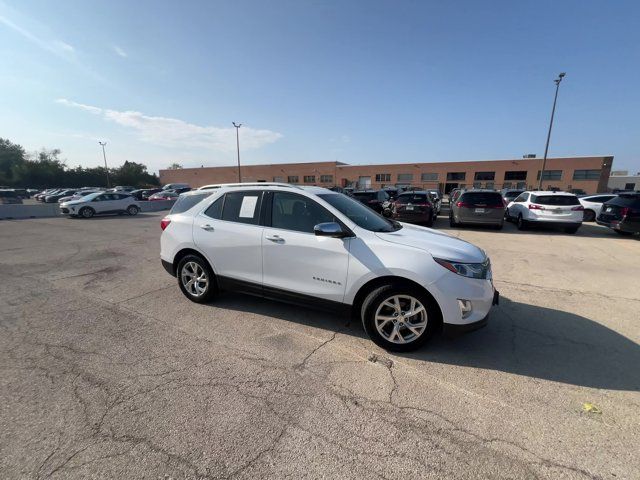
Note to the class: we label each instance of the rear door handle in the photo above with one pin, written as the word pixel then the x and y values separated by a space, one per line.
pixel 274 238
pixel 207 227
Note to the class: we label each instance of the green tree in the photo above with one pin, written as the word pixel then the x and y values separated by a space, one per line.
pixel 174 166
pixel 12 156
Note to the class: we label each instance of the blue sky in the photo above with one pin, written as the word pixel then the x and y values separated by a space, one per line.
pixel 354 81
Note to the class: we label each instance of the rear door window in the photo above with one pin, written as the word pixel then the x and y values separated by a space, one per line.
pixel 186 202
pixel 242 207
pixel 559 200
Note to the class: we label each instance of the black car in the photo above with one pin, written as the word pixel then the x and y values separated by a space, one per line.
pixel 415 207
pixel 148 192
pixel 377 200
pixel 137 194
pixel 622 214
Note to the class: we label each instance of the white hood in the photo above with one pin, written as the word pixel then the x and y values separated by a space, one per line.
pixel 438 244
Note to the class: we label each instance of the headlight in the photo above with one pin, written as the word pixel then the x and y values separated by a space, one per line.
pixel 470 270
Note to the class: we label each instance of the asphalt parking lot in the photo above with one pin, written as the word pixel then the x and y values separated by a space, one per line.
pixel 109 372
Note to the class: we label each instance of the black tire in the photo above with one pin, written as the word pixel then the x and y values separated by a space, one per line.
pixel 521 223
pixel 452 222
pixel 499 226
pixel 507 217
pixel 378 296
pixel 132 210
pixel 571 230
pixel 589 216
pixel 210 289
pixel 87 212
pixel 429 222
pixel 624 234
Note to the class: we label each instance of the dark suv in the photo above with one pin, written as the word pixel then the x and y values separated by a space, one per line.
pixel 622 214
pixel 415 207
pixel 377 200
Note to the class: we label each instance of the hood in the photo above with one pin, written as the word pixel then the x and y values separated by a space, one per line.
pixel 74 202
pixel 438 244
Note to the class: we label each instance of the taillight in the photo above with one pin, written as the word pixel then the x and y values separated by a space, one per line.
pixel 164 223
pixel 624 211
pixel 578 208
pixel 533 206
pixel 464 205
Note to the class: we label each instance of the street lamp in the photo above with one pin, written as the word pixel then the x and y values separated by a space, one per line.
pixel 553 112
pixel 238 125
pixel 106 169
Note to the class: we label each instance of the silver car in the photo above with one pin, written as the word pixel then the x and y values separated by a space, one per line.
pixel 478 207
pixel 100 203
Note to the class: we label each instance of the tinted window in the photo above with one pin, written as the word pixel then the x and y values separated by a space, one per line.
pixel 626 201
pixel 413 198
pixel 484 198
pixel 298 213
pixel 555 199
pixel 364 196
pixel 242 207
pixel 522 197
pixel 215 209
pixel 185 202
pixel 359 214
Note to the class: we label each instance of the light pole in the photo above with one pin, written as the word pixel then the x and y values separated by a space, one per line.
pixel 553 112
pixel 106 169
pixel 238 125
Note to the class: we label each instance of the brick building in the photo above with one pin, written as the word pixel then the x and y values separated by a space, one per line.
pixel 590 174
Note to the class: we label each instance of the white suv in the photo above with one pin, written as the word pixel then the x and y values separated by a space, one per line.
pixel 312 246
pixel 557 209
pixel 99 203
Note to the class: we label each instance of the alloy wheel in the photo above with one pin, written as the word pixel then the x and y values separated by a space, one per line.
pixel 401 319
pixel 194 279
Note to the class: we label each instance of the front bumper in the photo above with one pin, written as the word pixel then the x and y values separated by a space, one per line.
pixel 451 330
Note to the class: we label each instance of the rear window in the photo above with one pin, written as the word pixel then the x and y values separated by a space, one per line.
pixel 404 199
pixel 513 194
pixel 625 201
pixel 185 202
pixel 364 196
pixel 485 198
pixel 555 199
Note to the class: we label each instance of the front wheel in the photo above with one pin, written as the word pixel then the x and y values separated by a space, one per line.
pixel 196 279
pixel 132 210
pixel 87 212
pixel 399 318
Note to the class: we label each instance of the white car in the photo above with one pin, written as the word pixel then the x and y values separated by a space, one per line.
pixel 312 246
pixel 100 203
pixel 557 209
pixel 593 205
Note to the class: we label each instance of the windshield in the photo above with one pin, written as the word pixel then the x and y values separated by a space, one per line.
pixel 359 214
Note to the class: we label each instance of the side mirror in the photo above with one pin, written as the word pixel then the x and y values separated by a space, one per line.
pixel 330 229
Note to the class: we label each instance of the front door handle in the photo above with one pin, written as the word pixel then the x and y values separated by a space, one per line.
pixel 207 227
pixel 275 238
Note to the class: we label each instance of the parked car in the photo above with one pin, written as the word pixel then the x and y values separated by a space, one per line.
pixel 593 205
pixel 181 189
pixel 123 188
pixel 622 213
pixel 320 248
pixel 174 186
pixel 9 197
pixel 164 195
pixel 437 200
pixel 477 207
pixel 393 193
pixel 509 195
pixel 54 197
pixel 146 193
pixel 100 203
pixel 377 200
pixel 557 209
pixel 77 195
pixel 415 207
pixel 50 191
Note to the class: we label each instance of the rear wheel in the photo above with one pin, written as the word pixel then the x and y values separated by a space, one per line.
pixel 521 223
pixel 429 222
pixel 499 226
pixel 196 279
pixel 625 234
pixel 589 216
pixel 87 212
pixel 571 230
pixel 452 222
pixel 399 318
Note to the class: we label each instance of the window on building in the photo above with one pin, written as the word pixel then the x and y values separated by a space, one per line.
pixel 484 176
pixel 551 175
pixel 326 178
pixel 490 185
pixel 383 177
pixel 429 177
pixel 515 175
pixel 453 176
pixel 292 179
pixel 506 185
pixel 309 179
pixel 405 177
pixel 477 185
pixel 586 174
pixel 278 179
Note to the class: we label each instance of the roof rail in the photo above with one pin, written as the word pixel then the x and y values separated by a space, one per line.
pixel 251 184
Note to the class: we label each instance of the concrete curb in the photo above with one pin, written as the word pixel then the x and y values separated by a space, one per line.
pixel 18 212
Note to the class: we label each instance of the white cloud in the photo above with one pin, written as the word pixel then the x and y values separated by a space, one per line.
pixel 120 51
pixel 57 47
pixel 172 132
